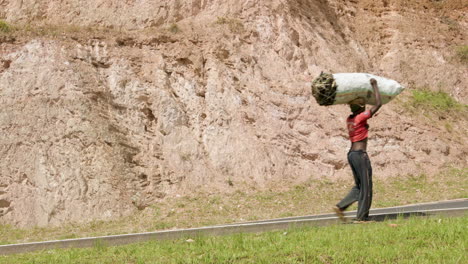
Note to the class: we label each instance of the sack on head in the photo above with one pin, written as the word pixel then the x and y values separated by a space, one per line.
pixel 344 88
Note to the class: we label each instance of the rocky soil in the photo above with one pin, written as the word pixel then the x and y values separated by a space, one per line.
pixel 108 107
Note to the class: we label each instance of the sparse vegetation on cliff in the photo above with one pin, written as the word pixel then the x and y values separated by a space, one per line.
pixel 234 25
pixel 462 53
pixel 438 108
pixel 5 27
pixel 174 28
pixel 435 102
pixel 48 30
pixel 438 101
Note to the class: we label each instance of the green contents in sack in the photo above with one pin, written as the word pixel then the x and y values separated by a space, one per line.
pixel 324 89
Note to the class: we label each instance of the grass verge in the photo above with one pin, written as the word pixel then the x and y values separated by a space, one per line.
pixel 312 197
pixel 415 240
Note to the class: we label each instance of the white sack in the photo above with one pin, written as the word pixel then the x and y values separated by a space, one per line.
pixel 352 86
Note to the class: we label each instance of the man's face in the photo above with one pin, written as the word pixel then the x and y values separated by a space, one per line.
pixel 357 108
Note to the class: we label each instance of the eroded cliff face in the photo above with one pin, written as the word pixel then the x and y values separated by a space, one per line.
pixel 168 97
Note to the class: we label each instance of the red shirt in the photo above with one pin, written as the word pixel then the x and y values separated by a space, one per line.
pixel 357 126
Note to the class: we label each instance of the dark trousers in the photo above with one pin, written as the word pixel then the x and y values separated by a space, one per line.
pixel 362 191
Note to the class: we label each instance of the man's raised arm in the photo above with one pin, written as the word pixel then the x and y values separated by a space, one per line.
pixel 378 100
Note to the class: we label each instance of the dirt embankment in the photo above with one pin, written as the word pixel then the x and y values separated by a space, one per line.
pixel 109 107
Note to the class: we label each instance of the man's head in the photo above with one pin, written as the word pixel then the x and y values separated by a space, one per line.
pixel 357 108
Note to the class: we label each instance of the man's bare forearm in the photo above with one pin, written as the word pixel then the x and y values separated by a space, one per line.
pixel 378 99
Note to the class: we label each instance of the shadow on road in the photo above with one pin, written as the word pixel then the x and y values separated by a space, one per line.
pixel 384 217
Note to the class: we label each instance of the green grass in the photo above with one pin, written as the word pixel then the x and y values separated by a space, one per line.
pixel 414 240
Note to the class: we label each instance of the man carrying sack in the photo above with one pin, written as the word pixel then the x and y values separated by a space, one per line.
pixel 356 90
pixel 358 158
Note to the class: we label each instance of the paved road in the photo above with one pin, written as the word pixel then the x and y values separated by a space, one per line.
pixel 448 208
pixel 390 211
